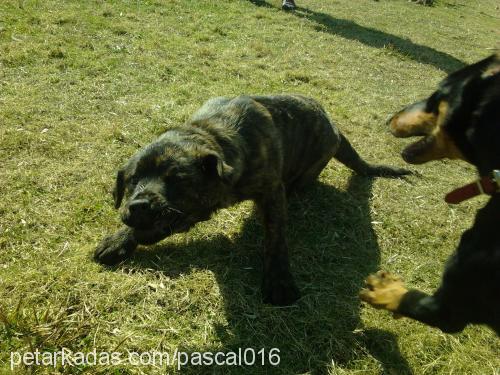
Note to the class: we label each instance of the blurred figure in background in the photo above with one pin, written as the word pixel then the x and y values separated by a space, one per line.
pixel 423 2
pixel 288 5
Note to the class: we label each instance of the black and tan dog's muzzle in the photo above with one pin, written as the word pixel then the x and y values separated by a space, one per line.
pixel 416 121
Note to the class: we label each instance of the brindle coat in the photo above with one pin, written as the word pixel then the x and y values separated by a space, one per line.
pixel 232 149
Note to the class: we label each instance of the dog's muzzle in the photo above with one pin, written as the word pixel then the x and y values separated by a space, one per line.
pixel 143 214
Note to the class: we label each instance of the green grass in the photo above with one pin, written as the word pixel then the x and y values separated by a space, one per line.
pixel 83 84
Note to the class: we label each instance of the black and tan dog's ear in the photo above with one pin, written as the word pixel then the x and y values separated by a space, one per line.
pixel 215 166
pixel 119 188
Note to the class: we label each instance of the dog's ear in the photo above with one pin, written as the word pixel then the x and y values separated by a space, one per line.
pixel 213 165
pixel 119 188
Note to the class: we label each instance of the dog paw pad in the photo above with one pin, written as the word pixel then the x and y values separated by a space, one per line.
pixel 383 290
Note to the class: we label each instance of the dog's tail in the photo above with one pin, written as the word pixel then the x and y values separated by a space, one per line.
pixel 348 156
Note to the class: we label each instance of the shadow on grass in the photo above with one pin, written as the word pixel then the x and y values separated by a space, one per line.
pixel 374 38
pixel 332 247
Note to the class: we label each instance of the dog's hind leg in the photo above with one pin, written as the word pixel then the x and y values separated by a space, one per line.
pixel 308 177
pixel 348 156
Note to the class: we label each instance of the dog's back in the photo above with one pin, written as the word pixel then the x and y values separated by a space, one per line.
pixel 293 133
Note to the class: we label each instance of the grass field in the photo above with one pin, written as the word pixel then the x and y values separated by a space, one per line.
pixel 83 84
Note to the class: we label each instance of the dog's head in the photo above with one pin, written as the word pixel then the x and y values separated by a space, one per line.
pixel 460 120
pixel 171 184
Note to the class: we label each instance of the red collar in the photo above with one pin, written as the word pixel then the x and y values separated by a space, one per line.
pixel 485 185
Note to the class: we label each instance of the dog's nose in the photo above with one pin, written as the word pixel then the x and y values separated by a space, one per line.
pixel 139 206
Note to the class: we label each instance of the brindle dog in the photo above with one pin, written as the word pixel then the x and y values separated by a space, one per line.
pixel 248 147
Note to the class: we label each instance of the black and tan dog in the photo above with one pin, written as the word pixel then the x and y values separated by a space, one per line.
pixel 249 147
pixel 461 120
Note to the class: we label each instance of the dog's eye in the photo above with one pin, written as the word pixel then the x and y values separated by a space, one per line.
pixel 432 105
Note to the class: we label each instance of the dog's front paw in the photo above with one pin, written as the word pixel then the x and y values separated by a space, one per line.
pixel 280 290
pixel 383 291
pixel 115 248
